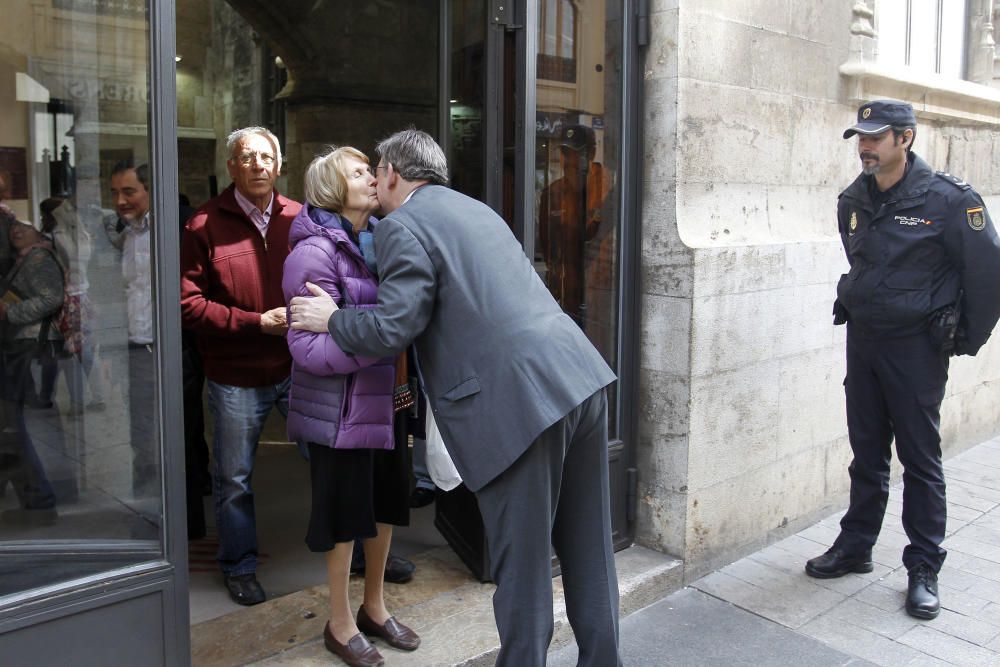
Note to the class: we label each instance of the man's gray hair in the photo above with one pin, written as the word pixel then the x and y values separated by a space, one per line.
pixel 415 156
pixel 238 135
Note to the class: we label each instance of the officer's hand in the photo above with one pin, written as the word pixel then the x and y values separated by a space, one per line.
pixel 961 343
pixel 839 313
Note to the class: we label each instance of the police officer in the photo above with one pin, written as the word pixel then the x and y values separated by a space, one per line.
pixel 924 284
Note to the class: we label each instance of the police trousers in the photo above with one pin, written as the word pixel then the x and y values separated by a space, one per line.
pixel 894 389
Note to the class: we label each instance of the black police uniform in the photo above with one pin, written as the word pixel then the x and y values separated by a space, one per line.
pixel 925 244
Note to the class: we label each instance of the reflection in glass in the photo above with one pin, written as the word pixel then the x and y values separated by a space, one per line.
pixel 80 479
pixel 578 133
pixel 466 90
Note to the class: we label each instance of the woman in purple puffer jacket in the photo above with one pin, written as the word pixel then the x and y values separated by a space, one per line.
pixel 343 405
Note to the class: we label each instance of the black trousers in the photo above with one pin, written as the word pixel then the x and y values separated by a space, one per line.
pixel 143 431
pixel 195 448
pixel 894 389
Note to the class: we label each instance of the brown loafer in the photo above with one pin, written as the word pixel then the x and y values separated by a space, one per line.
pixel 357 652
pixel 393 632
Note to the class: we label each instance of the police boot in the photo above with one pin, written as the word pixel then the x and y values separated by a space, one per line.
pixel 922 593
pixel 837 562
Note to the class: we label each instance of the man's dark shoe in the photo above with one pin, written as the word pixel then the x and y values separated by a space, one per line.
pixel 422 497
pixel 922 593
pixel 397 570
pixel 836 563
pixel 244 589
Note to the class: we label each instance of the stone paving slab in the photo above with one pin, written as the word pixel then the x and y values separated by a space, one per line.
pixel 868 620
pixel 764 610
pixel 690 627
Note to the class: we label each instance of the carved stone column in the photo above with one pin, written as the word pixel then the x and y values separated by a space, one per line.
pixel 981 46
pixel 863 35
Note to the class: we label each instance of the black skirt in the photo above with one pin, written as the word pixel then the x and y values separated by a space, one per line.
pixel 353 489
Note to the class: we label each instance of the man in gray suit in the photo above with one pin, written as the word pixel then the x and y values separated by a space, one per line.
pixel 516 388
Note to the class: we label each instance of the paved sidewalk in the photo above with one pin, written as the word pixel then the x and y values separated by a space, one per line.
pixel 764 610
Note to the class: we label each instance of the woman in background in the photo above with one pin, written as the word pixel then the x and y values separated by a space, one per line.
pixel 73 247
pixel 31 295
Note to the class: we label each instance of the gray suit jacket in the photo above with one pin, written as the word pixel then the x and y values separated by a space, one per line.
pixel 499 359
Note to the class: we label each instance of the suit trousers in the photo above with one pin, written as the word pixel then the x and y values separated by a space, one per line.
pixel 894 388
pixel 555 495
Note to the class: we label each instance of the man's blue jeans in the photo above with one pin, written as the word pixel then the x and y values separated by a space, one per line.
pixel 239 414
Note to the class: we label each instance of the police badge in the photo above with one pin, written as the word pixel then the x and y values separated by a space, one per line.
pixel 854 221
pixel 976 218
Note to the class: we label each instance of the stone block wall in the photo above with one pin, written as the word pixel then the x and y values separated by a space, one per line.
pixel 742 433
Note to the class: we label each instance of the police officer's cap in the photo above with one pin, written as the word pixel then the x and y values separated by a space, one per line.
pixel 877 116
pixel 577 137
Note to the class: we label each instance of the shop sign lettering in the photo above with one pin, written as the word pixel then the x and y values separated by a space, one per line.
pixel 107 90
pixel 128 8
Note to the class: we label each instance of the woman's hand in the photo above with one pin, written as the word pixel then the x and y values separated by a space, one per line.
pixel 312 313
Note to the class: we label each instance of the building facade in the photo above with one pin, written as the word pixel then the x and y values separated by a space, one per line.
pixel 742 431
pixel 670 166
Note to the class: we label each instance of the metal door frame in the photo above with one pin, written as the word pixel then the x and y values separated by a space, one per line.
pixel 166 578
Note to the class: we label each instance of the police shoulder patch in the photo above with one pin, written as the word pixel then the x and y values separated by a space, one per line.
pixel 954 180
pixel 976 218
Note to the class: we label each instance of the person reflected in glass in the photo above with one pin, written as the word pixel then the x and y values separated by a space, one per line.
pixel 7 218
pixel 342 405
pixel 130 191
pixel 31 295
pixel 72 244
pixel 573 239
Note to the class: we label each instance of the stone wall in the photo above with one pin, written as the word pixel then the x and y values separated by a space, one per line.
pixel 742 434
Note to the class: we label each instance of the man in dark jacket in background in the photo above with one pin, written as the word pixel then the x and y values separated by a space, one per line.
pixel 924 284
pixel 232 254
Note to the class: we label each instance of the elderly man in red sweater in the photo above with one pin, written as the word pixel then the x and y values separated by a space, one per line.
pixel 231 261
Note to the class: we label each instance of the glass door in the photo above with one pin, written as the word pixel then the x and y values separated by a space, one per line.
pixel 578 213
pixel 535 107
pixel 87 554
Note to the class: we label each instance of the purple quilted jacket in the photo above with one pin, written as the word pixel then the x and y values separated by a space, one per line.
pixel 336 400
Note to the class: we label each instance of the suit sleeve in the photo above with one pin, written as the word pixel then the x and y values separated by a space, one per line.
pixel 198 311
pixel 406 294
pixel 316 353
pixel 976 255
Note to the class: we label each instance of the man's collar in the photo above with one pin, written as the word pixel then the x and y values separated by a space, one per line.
pixel 140 225
pixel 248 207
pixel 410 196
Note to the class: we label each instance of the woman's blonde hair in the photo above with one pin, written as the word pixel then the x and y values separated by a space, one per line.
pixel 326 177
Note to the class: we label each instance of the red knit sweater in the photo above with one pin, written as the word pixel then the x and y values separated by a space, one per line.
pixel 229 276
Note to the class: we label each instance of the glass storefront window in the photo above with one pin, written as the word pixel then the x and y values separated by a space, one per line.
pixel 80 472
pixel 468 69
pixel 578 159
